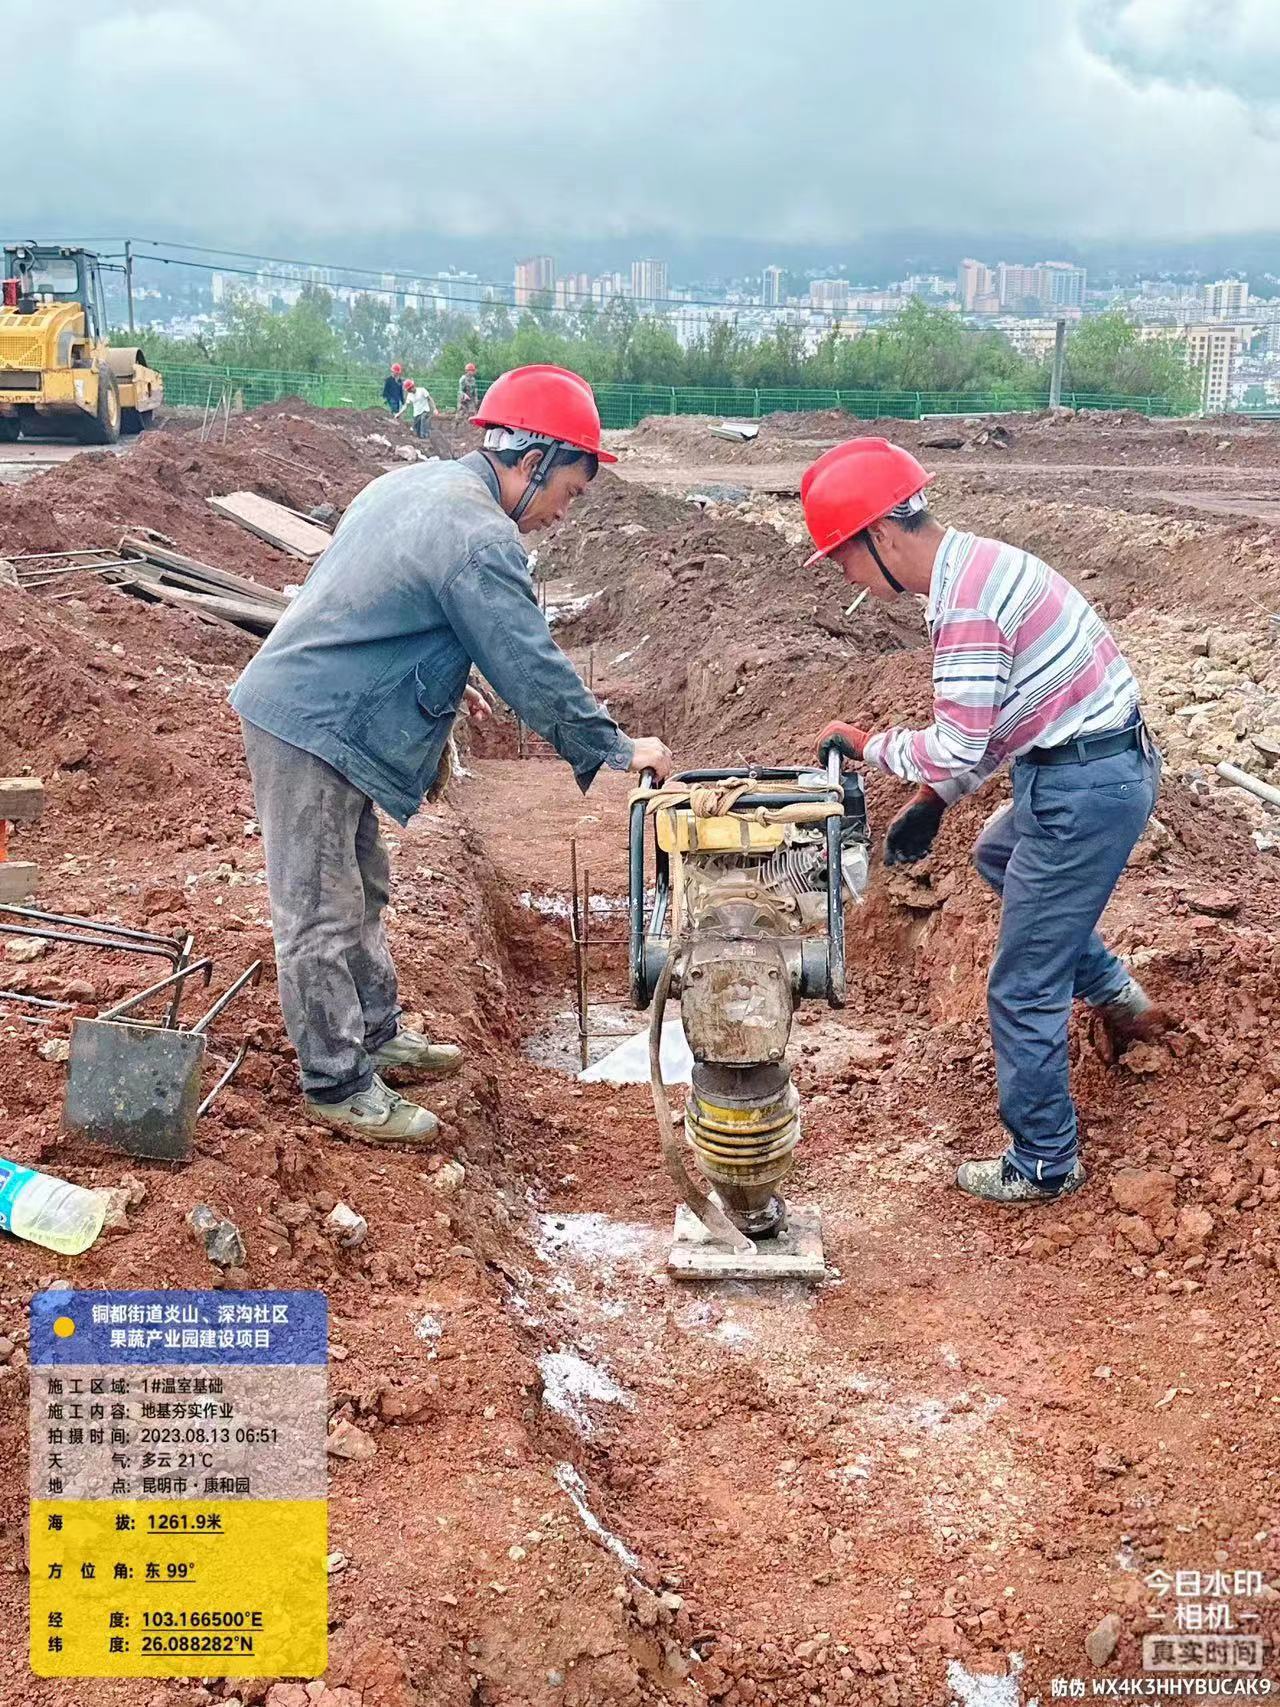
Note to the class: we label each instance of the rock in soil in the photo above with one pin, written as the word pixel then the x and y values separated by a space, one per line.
pixel 348 1441
pixel 1147 1192
pixel 347 1227
pixel 221 1238
pixel 1101 1641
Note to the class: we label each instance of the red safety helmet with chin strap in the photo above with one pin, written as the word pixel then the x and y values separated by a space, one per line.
pixel 854 484
pixel 549 401
pixel 396 369
pixel 471 367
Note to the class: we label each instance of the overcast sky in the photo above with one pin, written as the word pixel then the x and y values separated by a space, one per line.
pixel 543 120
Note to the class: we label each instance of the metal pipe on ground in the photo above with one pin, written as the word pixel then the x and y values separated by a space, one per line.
pixel 46 556
pixel 579 965
pixel 1255 785
pixel 586 960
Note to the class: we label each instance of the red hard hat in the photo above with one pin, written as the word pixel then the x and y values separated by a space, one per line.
pixel 409 385
pixel 546 400
pixel 854 484
pixel 396 368
pixel 471 367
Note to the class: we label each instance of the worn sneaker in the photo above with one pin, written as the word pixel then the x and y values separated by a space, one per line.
pixel 410 1051
pixel 998 1181
pixel 378 1116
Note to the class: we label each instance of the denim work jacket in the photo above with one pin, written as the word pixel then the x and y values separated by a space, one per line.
pixel 426 576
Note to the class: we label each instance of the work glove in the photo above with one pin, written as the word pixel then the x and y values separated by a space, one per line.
pixel 910 836
pixel 842 738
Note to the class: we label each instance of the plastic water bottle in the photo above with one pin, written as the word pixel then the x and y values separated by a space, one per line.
pixel 48 1211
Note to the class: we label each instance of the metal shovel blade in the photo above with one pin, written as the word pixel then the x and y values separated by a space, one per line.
pixel 135 1088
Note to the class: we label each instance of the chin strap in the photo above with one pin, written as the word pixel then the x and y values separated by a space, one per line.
pixel 880 563
pixel 537 479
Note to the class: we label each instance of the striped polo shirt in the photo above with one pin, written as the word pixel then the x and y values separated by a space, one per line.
pixel 1020 660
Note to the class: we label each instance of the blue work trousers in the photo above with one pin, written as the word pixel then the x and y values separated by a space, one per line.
pixel 1054 856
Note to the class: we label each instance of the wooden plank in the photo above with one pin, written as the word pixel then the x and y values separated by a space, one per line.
pixel 21 799
pixel 221 579
pixel 18 879
pixel 156 573
pixel 237 613
pixel 274 523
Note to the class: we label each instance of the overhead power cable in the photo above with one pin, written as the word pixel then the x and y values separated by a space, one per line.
pixel 409 284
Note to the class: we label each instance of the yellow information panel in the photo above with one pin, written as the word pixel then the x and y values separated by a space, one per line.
pixel 178 1481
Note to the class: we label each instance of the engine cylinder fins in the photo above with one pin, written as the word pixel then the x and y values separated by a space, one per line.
pixel 746 1147
pixel 796 871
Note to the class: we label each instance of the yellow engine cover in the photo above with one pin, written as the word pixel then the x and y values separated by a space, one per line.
pixel 680 832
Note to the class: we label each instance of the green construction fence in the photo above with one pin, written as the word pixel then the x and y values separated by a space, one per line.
pixel 624 405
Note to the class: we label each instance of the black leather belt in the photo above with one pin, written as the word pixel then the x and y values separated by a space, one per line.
pixel 1087 747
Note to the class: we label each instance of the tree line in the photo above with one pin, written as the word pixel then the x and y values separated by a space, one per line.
pixel 921 349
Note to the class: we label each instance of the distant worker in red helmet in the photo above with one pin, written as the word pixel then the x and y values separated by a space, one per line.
pixel 467 390
pixel 420 405
pixel 393 389
pixel 350 701
pixel 1024 669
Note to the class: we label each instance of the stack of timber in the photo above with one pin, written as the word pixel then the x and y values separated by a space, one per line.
pixel 157 573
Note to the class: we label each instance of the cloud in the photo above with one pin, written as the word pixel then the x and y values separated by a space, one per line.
pixel 1232 45
pixel 540 120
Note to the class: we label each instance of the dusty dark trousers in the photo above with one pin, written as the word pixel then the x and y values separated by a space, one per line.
pixel 328 880
pixel 1054 856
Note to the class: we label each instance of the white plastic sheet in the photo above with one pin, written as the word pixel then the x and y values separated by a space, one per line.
pixel 628 1064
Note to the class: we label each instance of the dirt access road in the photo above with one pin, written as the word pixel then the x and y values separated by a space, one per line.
pixel 29 457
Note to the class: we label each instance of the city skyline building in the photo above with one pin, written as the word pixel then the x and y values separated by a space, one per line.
pixel 1212 351
pixel 974 282
pixel 1225 297
pixel 534 277
pixel 831 295
pixel 649 281
pixel 1016 287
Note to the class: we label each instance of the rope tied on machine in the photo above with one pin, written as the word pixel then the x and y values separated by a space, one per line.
pixel 720 800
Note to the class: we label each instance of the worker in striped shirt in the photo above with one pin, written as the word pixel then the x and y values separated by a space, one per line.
pixel 1024 670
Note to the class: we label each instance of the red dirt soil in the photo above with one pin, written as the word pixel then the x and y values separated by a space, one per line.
pixel 971 1443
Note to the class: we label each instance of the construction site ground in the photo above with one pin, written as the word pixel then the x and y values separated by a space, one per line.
pixel 928 1479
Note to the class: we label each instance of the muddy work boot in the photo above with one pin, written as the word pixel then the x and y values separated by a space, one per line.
pixel 998 1181
pixel 377 1116
pixel 1130 1017
pixel 411 1052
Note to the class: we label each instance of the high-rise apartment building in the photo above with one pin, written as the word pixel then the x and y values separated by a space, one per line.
pixel 974 281
pixel 607 287
pixel 1017 286
pixel 534 277
pixel 772 287
pixel 649 282
pixel 1225 298
pixel 831 295
pixel 1212 350
pixel 1061 284
pixel 1021 289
